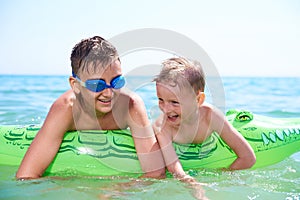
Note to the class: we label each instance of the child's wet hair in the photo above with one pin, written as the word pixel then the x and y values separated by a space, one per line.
pixel 178 71
pixel 93 52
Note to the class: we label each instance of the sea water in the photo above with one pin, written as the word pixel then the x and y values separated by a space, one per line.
pixel 26 100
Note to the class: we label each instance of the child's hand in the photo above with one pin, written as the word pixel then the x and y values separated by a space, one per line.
pixel 188 179
pixel 198 191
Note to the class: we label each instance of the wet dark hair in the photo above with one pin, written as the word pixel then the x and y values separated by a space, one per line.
pixel 92 51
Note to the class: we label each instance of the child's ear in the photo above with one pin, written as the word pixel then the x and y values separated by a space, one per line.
pixel 200 98
pixel 74 86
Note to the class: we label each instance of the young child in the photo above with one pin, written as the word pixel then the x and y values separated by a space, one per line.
pixel 95 102
pixel 186 118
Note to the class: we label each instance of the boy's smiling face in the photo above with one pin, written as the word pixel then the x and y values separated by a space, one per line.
pixel 176 104
pixel 102 101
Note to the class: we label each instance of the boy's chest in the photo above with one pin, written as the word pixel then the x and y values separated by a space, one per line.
pixel 191 134
pixel 109 122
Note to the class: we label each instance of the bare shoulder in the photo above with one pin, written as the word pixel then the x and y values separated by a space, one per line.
pixel 60 115
pixel 134 99
pixel 212 117
pixel 206 107
pixel 131 100
pixel 133 105
pixel 206 111
pixel 66 99
pixel 211 111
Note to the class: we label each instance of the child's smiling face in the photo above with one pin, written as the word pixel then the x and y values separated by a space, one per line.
pixel 176 104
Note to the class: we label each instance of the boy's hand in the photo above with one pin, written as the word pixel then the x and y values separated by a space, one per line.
pixel 198 191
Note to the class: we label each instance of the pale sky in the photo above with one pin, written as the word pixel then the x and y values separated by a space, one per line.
pixel 242 38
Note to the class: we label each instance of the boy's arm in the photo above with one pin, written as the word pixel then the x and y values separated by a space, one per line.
pixel 145 142
pixel 170 157
pixel 46 143
pixel 245 154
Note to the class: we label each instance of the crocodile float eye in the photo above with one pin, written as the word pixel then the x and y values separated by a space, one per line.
pixel 244 116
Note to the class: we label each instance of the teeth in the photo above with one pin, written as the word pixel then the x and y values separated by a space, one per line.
pixel 291 130
pixel 105 100
pixel 173 115
pixel 286 131
pixel 281 135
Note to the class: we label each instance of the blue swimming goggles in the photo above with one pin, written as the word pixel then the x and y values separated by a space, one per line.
pixel 97 85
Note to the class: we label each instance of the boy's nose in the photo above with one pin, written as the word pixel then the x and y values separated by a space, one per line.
pixel 166 108
pixel 107 92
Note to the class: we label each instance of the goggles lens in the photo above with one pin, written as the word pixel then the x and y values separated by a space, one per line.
pixel 97 85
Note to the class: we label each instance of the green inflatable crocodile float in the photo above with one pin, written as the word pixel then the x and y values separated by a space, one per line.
pixel 107 153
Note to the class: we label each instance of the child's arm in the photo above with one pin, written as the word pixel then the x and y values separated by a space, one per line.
pixel 245 154
pixel 170 157
pixel 46 143
pixel 145 142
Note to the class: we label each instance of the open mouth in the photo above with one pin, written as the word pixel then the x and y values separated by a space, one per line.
pixel 105 101
pixel 173 117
